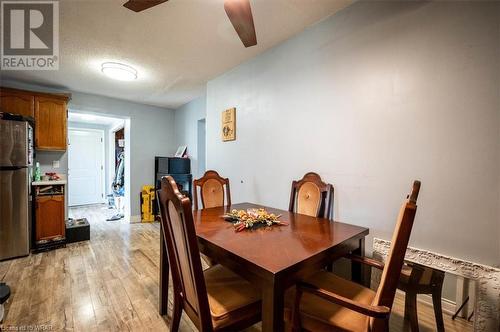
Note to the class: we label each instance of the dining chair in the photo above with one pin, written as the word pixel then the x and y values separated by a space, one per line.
pixel 326 302
pixel 417 279
pixel 311 196
pixel 211 186
pixel 215 299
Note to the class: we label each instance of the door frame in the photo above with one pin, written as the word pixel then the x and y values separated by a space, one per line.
pixel 112 151
pixel 201 145
pixel 103 156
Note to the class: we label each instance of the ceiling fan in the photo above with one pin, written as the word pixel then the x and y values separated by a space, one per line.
pixel 238 11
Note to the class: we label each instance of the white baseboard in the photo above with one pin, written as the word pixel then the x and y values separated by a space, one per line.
pixel 135 219
pixel 448 305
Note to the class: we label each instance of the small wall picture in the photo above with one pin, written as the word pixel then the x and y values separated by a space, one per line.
pixel 229 125
pixel 181 151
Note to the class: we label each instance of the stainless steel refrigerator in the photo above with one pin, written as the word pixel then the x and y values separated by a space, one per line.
pixel 16 159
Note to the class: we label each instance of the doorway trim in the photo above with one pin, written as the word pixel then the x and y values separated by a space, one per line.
pixel 201 147
pixel 103 156
pixel 85 109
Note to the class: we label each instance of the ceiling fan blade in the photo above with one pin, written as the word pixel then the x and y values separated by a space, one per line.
pixel 240 15
pixel 140 5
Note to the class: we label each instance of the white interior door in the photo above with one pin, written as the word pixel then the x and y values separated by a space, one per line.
pixel 86 167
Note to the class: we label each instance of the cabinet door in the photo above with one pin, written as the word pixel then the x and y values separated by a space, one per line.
pixel 50 217
pixel 50 117
pixel 17 102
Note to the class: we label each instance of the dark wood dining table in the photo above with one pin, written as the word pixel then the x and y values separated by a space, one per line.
pixel 273 258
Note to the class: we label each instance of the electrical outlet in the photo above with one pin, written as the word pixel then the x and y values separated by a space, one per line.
pixel 56 164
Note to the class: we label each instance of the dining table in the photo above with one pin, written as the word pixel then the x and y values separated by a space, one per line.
pixel 273 258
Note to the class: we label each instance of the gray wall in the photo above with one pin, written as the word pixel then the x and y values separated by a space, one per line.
pixel 45 158
pixel 372 98
pixel 151 133
pixel 186 129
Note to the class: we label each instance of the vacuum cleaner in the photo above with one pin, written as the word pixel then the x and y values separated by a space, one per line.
pixel 118 187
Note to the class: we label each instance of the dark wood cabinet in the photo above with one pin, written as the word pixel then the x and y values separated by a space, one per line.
pixel 17 102
pixel 50 123
pixel 49 111
pixel 49 218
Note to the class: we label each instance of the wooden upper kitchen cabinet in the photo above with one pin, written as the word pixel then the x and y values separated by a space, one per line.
pixel 17 102
pixel 49 111
pixel 49 218
pixel 50 123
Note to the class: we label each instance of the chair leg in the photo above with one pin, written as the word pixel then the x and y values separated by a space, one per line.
pixel 407 307
pixel 438 311
pixel 176 314
pixel 380 325
pixel 164 271
pixel 411 310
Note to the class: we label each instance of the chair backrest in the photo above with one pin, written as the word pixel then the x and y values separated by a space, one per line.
pixel 312 196
pixel 394 262
pixel 179 235
pixel 211 190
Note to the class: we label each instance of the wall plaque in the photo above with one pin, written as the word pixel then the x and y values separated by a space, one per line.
pixel 229 125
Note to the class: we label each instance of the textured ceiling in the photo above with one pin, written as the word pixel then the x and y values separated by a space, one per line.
pixel 176 46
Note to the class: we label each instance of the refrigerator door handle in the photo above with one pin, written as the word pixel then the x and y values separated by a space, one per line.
pixel 11 168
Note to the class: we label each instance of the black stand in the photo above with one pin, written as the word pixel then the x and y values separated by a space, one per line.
pixel 180 170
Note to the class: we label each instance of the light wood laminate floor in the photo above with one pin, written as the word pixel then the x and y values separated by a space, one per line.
pixel 111 284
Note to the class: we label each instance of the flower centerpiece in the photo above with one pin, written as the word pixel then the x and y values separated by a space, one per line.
pixel 249 218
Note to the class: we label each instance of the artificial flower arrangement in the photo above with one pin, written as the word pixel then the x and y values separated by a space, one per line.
pixel 243 219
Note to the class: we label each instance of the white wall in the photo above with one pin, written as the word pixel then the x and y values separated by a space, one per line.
pixel 372 98
pixel 186 129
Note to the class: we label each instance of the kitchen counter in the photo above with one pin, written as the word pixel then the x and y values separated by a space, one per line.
pixel 48 183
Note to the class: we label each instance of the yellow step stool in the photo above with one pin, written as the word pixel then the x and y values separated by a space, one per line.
pixel 147 200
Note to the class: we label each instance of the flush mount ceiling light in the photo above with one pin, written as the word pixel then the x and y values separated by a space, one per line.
pixel 119 71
